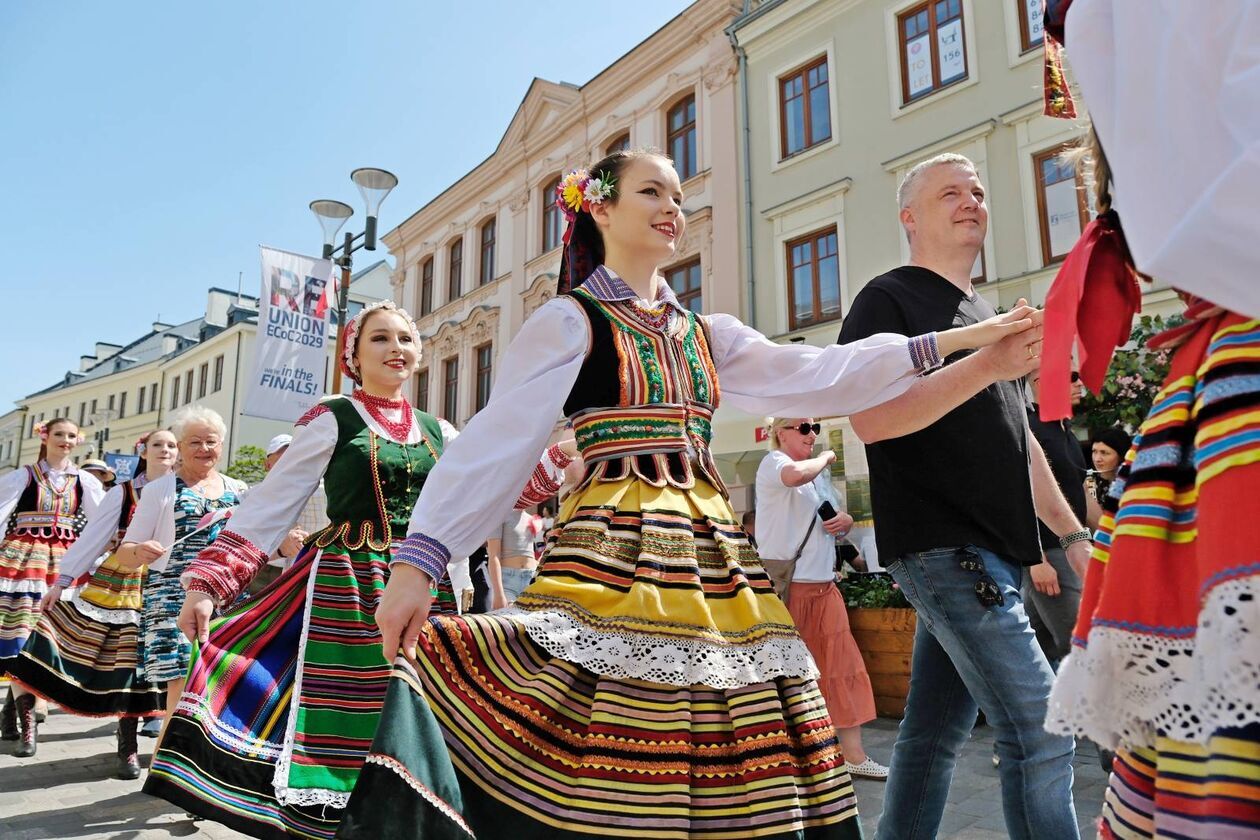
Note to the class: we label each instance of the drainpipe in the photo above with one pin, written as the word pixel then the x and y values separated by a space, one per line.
pixel 746 130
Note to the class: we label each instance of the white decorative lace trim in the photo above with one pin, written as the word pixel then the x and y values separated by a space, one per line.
pixel 412 782
pixel 195 707
pixel 1127 687
pixel 663 660
pixel 104 614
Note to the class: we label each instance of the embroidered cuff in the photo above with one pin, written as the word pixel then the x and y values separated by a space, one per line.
pixel 544 482
pixel 64 581
pixel 558 456
pixel 226 566
pixel 425 553
pixel 924 353
pixel 193 584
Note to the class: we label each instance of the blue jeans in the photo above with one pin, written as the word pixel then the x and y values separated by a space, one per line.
pixel 964 653
pixel 515 581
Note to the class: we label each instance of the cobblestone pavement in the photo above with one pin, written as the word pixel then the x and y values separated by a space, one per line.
pixel 66 790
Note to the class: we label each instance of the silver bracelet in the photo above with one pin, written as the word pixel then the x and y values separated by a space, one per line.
pixel 1083 535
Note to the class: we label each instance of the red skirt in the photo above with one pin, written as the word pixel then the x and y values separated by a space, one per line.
pixel 823 622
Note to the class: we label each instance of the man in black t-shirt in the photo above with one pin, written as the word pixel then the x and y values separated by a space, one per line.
pixel 957 484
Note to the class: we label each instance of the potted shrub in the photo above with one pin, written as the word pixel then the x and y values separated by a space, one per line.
pixel 883 624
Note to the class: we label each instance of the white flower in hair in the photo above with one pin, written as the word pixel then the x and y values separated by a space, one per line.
pixel 597 190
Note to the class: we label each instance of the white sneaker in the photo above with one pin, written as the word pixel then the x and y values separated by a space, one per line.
pixel 869 769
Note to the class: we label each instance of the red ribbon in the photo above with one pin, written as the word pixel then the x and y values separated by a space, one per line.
pixel 1091 304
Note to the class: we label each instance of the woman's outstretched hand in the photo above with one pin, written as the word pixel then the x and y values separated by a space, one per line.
pixel 403 610
pixel 1022 325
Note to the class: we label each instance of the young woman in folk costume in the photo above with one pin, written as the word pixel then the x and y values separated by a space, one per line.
pixel 285 691
pixel 84 653
pixel 1165 662
pixel 48 497
pixel 648 683
pixel 165 534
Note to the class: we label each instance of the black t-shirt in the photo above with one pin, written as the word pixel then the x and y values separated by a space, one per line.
pixel 965 479
pixel 1063 451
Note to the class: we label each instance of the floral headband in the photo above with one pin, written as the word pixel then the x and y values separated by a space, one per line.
pixel 349 341
pixel 579 190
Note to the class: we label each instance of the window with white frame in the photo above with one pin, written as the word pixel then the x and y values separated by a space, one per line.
pixel 804 108
pixel 1062 206
pixel 813 274
pixel 1031 24
pixel 933 48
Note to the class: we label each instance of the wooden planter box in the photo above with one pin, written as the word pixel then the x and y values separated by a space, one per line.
pixel 886 639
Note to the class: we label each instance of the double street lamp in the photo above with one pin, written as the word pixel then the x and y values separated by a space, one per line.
pixel 374 185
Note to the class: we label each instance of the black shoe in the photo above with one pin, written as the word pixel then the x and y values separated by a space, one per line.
pixel 128 762
pixel 28 728
pixel 8 719
pixel 1105 757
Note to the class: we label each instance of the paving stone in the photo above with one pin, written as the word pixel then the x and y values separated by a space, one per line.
pixel 68 790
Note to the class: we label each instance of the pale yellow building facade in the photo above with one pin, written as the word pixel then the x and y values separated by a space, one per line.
pixel 843 98
pixel 478 259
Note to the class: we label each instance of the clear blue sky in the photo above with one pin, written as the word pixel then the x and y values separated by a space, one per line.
pixel 149 147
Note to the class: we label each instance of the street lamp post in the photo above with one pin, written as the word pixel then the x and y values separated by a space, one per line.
pixel 374 185
pixel 101 435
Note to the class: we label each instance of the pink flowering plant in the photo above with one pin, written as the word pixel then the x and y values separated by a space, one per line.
pixel 1133 379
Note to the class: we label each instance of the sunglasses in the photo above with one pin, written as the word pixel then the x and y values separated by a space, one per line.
pixel 988 593
pixel 1076 377
pixel 805 428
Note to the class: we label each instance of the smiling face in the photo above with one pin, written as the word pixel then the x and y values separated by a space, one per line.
pixel 646 218
pixel 946 211
pixel 63 437
pixel 386 352
pixel 201 447
pixel 161 450
pixel 792 443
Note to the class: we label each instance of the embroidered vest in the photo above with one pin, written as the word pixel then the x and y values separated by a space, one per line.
pixel 45 511
pixel 372 482
pixel 645 395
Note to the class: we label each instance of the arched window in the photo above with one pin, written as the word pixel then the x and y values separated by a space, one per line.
pixel 454 277
pixel 486 267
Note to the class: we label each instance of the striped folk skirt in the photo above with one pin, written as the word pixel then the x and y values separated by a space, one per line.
pixel 84 653
pixel 29 559
pixel 1165 663
pixel 648 684
pixel 1186 790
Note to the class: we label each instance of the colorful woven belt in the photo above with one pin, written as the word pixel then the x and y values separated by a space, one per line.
pixel 606 433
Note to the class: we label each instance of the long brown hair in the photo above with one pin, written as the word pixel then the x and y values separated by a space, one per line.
pixel 47 430
pixel 585 249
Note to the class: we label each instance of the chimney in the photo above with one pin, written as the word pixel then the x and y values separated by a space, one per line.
pixel 170 343
pixel 85 363
pixel 104 349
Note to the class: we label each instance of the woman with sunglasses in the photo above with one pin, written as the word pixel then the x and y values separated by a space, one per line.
pixel 792 485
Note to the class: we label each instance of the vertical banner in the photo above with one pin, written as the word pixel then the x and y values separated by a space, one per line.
pixel 292 343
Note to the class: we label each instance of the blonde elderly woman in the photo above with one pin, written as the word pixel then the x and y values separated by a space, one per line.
pixel 792 484
pixel 169 511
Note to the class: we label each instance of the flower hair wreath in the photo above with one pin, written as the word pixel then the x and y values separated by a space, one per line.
pixel 350 341
pixel 579 190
